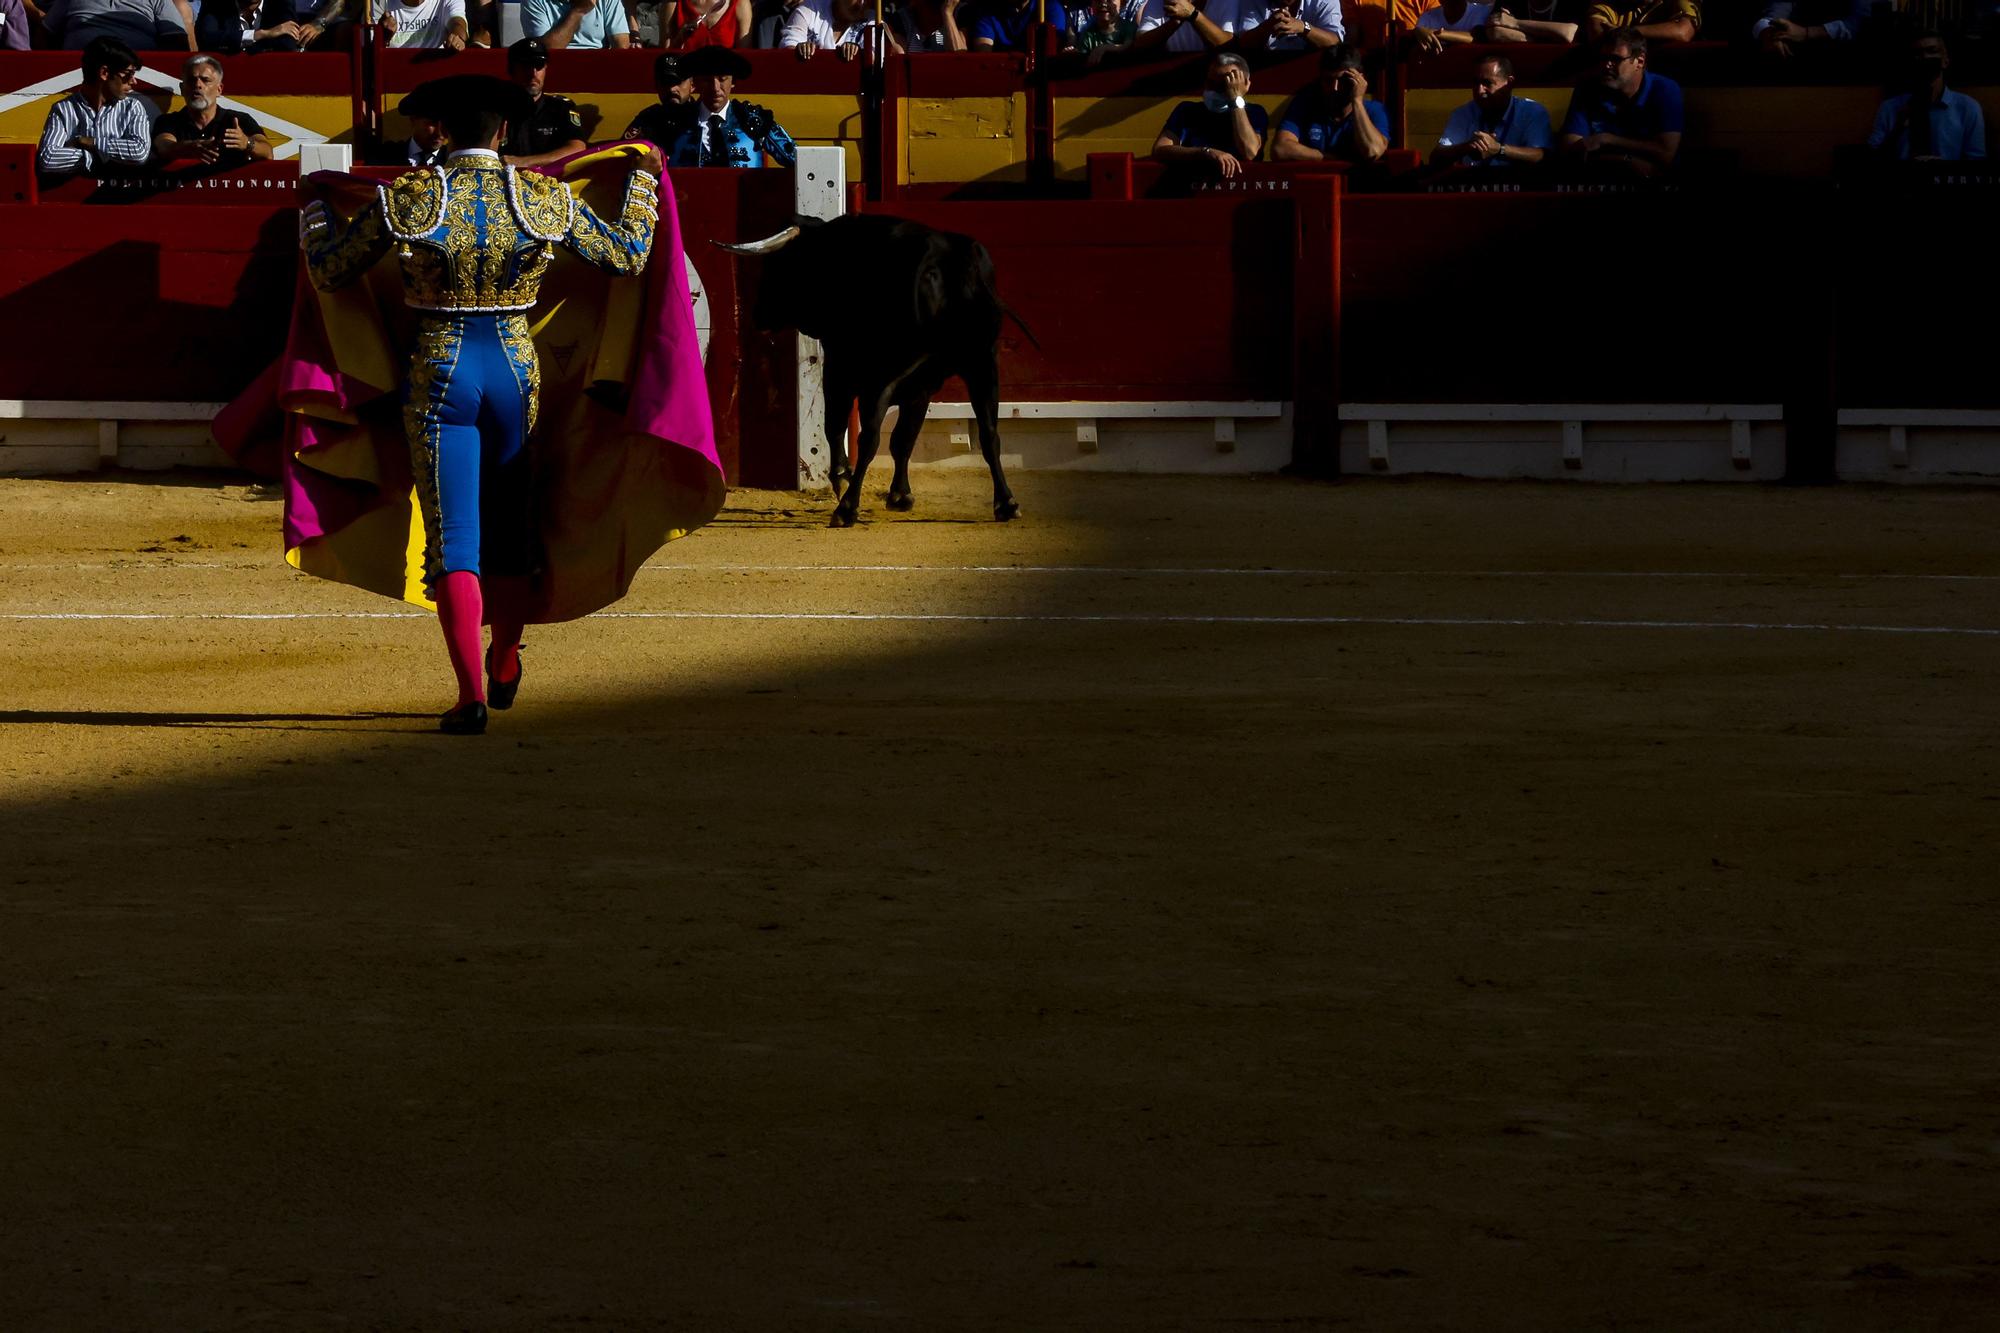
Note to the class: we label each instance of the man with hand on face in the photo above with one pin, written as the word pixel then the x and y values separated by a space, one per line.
pixel 1627 120
pixel 553 129
pixel 1496 128
pixel 723 132
pixel 202 131
pixel 1223 130
pixel 1335 118
pixel 1930 123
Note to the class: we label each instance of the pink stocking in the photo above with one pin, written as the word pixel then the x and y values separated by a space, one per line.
pixel 505 659
pixel 459 612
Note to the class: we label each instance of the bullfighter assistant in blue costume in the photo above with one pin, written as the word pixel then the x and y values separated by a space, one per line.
pixel 474 238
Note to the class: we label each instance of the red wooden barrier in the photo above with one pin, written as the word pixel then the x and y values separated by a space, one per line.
pixel 261 185
pixel 189 302
pixel 1171 301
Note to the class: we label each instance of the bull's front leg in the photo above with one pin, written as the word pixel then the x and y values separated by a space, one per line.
pixel 873 408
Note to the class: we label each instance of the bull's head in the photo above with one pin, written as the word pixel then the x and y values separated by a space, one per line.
pixel 790 280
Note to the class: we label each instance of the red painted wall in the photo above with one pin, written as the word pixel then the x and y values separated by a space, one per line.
pixel 1470 298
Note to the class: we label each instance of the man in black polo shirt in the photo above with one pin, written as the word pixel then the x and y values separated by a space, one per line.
pixel 554 129
pixel 663 123
pixel 202 131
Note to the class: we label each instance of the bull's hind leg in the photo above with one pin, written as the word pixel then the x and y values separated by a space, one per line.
pixel 873 409
pixel 903 443
pixel 839 392
pixel 983 387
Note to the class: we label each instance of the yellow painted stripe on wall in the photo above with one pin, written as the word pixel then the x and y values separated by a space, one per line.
pixel 1086 125
pixel 966 138
pixel 331 116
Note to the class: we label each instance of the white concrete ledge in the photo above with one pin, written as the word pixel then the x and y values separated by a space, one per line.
pixel 36 409
pixel 1111 411
pixel 1974 418
pixel 1561 412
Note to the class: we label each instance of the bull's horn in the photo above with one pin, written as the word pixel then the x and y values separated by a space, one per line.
pixel 768 245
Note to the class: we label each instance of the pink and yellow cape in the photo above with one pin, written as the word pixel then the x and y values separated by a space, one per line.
pixel 625 455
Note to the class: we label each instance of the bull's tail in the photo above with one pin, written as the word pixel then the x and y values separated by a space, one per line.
pixel 982 266
pixel 1019 323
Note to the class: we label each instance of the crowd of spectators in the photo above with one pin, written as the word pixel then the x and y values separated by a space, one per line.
pixel 844 28
pixel 1623 119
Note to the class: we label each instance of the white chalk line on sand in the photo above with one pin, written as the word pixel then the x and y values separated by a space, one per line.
pixel 1123 571
pixel 1079 618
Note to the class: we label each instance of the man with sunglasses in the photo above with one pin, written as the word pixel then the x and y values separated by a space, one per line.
pixel 1625 120
pixel 100 124
pixel 553 129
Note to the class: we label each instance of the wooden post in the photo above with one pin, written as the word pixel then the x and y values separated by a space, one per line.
pixel 1316 206
pixel 1111 176
pixel 1041 107
pixel 1811 384
pixel 1395 96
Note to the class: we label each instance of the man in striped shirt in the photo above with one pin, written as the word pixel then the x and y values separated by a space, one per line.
pixel 100 124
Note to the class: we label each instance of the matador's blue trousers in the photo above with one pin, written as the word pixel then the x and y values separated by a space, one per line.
pixel 471 406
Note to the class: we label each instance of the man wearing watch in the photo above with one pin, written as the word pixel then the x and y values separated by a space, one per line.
pixel 1496 129
pixel 1335 117
pixel 1186 25
pixel 1222 131
pixel 1289 25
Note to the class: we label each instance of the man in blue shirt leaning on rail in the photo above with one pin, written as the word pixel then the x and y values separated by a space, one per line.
pixel 1930 123
pixel 1627 120
pixel 1496 128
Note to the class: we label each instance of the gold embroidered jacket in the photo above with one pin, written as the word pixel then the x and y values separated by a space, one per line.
pixel 475 237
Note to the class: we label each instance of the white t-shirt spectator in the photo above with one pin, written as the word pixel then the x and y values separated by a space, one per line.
pixel 422 23
pixel 1323 15
pixel 599 26
pixel 1475 15
pixel 812 21
pixel 1222 13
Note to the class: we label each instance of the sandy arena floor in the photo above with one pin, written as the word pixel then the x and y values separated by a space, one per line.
pixel 1203 904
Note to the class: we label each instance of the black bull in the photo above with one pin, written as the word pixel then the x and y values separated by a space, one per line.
pixel 898 308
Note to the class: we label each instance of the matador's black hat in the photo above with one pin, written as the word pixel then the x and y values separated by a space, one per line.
pixel 435 99
pixel 715 60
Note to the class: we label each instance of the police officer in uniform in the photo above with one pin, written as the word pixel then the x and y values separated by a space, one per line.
pixel 553 130
pixel 663 122
pixel 723 132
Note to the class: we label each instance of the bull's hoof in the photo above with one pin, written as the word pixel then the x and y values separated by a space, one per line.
pixel 1006 510
pixel 843 517
pixel 901 503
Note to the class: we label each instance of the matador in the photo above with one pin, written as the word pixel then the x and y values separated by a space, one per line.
pixel 474 238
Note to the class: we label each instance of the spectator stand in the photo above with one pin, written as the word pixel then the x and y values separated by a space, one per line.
pixel 819 102
pixel 297 98
pixel 1745 114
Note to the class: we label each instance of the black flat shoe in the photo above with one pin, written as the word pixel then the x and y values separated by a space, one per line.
pixel 500 693
pixel 464 720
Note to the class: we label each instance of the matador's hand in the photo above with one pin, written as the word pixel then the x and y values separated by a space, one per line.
pixel 313 220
